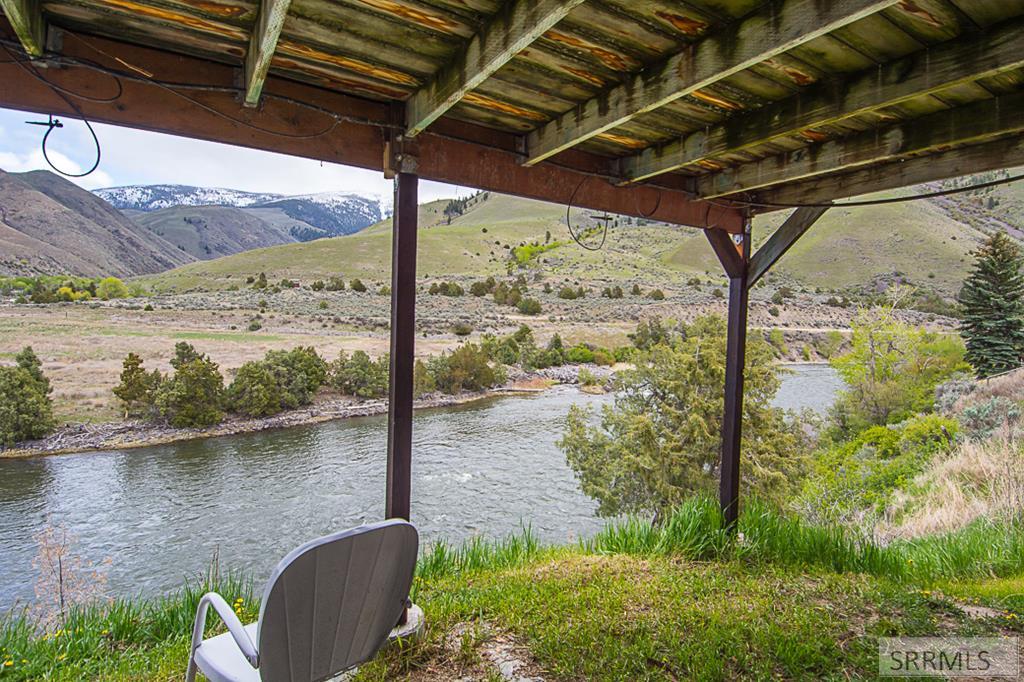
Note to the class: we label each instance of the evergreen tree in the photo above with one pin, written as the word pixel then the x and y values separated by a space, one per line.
pixel 137 389
pixel 659 443
pixel 26 410
pixel 993 308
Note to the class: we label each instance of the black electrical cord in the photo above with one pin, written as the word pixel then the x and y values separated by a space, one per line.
pixel 53 123
pixel 568 222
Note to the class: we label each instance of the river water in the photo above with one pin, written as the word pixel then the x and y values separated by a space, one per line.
pixel 160 513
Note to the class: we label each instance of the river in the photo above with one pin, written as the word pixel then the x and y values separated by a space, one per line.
pixel 160 513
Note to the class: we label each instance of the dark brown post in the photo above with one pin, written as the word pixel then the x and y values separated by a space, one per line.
pixel 403 339
pixel 735 259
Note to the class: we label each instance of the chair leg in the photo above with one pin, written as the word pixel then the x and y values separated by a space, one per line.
pixel 190 672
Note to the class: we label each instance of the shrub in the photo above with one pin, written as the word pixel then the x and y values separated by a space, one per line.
pixel 317 285
pixel 360 376
pixel 892 370
pixel 194 395
pixel 137 389
pixel 255 326
pixel 466 368
pixel 357 285
pixel 322 305
pixel 656 295
pixel 26 410
pixel 854 482
pixel 529 306
pixel 579 354
pixel 773 311
pixel 482 288
pixel 111 287
pixel 422 380
pixel 261 281
pixel 587 378
pixel 604 358
pixel 778 341
pixel 335 284
pixel 462 329
pixel 256 390
pixel 717 293
pixel 148 308
pixel 635 291
pixel 568 293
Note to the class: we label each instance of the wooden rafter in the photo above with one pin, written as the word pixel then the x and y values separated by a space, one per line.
pixel 925 72
pixel 262 45
pixel 980 158
pixel 967 124
pixel 778 27
pixel 26 17
pixel 510 32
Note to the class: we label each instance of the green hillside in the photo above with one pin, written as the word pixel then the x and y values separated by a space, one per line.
pixel 924 242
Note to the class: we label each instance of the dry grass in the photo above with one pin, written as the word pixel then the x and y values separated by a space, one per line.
pixel 977 480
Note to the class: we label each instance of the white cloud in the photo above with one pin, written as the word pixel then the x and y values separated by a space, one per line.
pixel 137 157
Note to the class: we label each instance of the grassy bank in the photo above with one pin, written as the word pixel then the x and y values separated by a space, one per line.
pixel 681 601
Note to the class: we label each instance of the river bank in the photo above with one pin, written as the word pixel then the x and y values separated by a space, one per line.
pixel 138 433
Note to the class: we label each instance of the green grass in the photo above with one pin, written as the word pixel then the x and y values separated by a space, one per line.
pixel 687 599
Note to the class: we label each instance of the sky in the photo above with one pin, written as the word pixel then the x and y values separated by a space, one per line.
pixel 135 157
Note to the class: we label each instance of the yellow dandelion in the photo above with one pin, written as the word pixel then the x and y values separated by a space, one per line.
pixel 62 657
pixel 8 664
pixel 105 632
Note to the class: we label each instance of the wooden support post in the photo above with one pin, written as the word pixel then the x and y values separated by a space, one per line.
pixel 403 338
pixel 735 261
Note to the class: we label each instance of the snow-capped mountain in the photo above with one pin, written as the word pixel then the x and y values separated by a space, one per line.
pixel 326 214
pixel 154 197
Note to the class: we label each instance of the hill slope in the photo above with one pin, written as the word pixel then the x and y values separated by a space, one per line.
pixel 50 225
pixel 206 232
pixel 925 242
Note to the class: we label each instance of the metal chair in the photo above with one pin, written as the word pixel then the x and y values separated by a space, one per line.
pixel 328 606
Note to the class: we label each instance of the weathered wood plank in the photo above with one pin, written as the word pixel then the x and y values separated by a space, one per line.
pixel 954 163
pixel 26 17
pixel 262 46
pixel 927 71
pixel 788 233
pixel 514 28
pixel 772 31
pixel 963 125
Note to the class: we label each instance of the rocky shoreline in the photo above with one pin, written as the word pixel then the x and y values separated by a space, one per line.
pixel 74 438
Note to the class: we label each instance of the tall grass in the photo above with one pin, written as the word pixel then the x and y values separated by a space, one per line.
pixel 696 531
pixel 92 636
pixel 442 560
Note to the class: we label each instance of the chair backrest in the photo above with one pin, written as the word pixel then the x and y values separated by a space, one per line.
pixel 330 604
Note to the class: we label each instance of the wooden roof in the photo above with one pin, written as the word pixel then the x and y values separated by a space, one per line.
pixel 730 100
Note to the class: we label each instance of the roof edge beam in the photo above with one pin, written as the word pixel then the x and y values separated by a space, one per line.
pixel 924 72
pixel 979 158
pixel 262 46
pixel 26 17
pixel 966 124
pixel 779 27
pixel 514 28
pixel 788 233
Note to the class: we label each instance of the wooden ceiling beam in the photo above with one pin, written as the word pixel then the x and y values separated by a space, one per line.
pixel 26 18
pixel 512 30
pixel 924 72
pixel 976 122
pixel 262 45
pixel 453 152
pixel 778 27
pixel 979 158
